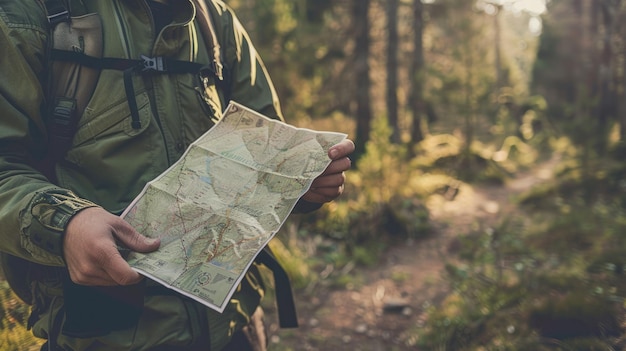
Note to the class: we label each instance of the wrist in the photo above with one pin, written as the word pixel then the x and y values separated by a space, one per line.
pixel 304 206
pixel 51 214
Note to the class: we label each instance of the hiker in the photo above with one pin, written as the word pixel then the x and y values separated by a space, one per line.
pixel 96 99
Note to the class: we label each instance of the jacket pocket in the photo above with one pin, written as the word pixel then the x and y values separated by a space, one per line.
pixel 94 125
pixel 110 161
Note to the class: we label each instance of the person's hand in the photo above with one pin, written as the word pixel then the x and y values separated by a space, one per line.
pixel 329 185
pixel 90 248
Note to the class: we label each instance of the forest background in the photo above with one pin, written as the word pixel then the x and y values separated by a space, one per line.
pixel 442 96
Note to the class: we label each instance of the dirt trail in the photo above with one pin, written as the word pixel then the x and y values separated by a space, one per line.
pixel 381 313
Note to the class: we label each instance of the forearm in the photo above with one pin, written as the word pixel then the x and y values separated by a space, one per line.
pixel 33 218
pixel 34 212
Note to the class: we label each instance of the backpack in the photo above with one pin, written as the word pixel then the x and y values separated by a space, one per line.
pixel 77 50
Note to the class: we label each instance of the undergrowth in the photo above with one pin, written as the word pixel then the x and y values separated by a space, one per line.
pixel 13 333
pixel 548 279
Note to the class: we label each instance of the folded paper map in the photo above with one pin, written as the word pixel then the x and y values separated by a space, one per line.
pixel 221 203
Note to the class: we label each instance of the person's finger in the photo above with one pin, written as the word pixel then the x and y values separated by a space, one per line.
pixel 132 239
pixel 119 271
pixel 325 189
pixel 314 197
pixel 329 193
pixel 91 252
pixel 323 195
pixel 338 166
pixel 331 180
pixel 342 149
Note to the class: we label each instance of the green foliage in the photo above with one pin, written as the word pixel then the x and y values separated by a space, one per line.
pixel 13 333
pixel 476 314
pixel 549 282
pixel 583 99
pixel 582 182
pixel 445 153
pixel 381 197
pixel 303 44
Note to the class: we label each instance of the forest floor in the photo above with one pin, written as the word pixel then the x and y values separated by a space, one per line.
pixel 386 310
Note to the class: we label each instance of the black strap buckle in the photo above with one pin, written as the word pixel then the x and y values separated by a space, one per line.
pixel 153 63
pixel 58 11
pixel 63 117
pixel 58 17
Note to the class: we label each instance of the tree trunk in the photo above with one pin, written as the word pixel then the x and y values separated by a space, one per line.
pixel 498 49
pixel 361 70
pixel 606 107
pixel 417 73
pixel 392 70
pixel 621 92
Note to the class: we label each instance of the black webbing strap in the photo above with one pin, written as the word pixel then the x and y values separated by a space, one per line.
pixel 61 110
pixel 158 64
pixel 130 67
pixel 62 126
pixel 57 12
pixel 284 296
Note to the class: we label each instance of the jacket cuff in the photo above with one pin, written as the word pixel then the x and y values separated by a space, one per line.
pixel 51 213
pixel 303 206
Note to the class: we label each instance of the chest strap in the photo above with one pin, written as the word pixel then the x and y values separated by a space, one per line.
pixel 129 67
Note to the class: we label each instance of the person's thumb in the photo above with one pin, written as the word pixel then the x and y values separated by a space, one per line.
pixel 133 240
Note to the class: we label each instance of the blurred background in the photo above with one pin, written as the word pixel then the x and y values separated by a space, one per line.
pixel 486 205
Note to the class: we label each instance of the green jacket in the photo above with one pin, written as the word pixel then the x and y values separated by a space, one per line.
pixel 109 161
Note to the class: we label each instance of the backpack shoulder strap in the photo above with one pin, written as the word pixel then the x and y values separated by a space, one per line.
pixel 218 67
pixel 210 37
pixel 66 94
